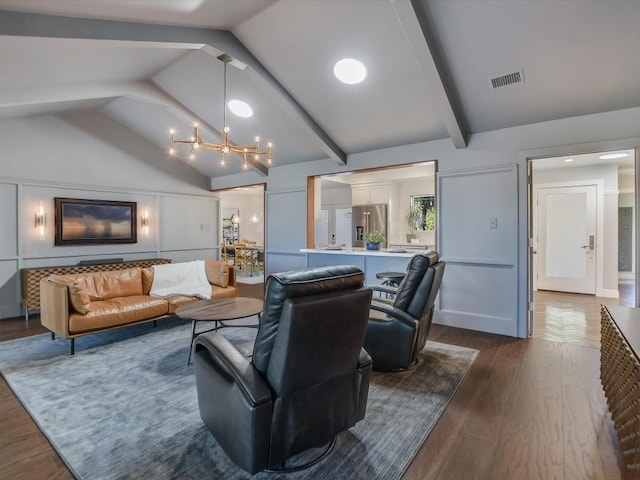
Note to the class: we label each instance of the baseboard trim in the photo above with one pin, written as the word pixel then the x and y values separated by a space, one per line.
pixel 476 321
pixel 609 293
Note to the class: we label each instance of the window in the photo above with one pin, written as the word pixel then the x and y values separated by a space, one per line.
pixel 423 212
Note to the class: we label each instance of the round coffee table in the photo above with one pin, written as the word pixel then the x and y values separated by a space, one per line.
pixel 219 310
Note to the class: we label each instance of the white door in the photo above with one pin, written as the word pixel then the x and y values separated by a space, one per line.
pixel 567 239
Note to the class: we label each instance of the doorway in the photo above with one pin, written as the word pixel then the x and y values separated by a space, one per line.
pixel 242 233
pixel 578 248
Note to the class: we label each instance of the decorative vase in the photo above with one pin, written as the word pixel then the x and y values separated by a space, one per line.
pixel 373 246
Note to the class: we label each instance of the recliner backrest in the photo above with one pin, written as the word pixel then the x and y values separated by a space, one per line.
pixel 319 339
pixel 286 286
pixel 417 291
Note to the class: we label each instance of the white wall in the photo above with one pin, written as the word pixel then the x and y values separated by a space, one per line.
pixel 504 310
pixel 48 156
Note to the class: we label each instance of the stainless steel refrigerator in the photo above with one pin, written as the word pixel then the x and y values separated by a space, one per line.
pixel 368 218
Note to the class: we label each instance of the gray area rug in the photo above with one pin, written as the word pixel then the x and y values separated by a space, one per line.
pixel 125 406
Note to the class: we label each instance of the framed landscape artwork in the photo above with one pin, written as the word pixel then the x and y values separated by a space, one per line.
pixel 84 222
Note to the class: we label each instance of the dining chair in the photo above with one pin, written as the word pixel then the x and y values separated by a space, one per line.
pixel 242 259
pixel 228 254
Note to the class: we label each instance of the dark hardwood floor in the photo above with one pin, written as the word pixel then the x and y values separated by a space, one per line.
pixel 527 409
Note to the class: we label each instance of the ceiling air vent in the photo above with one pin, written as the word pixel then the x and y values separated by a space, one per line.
pixel 511 78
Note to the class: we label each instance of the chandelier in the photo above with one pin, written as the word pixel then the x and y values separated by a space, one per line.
pixel 196 142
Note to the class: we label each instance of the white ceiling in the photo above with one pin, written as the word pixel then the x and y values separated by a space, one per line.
pixel 585 160
pixel 578 57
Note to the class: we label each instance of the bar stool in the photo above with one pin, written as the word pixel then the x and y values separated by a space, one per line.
pixel 390 279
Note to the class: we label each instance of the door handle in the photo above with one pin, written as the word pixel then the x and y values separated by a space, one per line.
pixel 591 245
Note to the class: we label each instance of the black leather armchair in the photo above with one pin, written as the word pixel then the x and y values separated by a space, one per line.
pixel 308 377
pixel 398 329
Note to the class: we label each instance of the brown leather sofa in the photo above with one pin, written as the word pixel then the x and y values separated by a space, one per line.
pixel 85 303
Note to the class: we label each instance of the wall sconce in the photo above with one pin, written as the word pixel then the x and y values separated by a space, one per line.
pixel 144 222
pixel 41 220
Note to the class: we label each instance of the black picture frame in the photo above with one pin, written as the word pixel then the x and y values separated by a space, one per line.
pixel 94 222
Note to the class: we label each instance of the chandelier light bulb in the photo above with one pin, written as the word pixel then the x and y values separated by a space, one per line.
pixel 196 145
pixel 195 124
pixel 172 151
pixel 171 131
pixel 226 129
pixel 257 139
pixel 192 156
pixel 256 157
pixel 269 144
pixel 225 149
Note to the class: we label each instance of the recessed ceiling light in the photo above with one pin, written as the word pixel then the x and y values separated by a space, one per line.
pixel 611 156
pixel 240 108
pixel 350 71
pixel 568 160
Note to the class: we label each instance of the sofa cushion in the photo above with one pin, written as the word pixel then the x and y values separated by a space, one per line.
pixel 147 280
pixel 117 311
pixel 78 296
pixel 217 272
pixel 106 285
pixel 176 301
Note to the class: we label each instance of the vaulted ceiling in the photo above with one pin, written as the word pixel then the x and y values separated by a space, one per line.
pixel 152 66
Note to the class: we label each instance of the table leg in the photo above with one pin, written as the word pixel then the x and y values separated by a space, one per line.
pixel 193 337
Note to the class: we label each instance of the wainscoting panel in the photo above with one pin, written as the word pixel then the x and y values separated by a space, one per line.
pixel 188 223
pixel 479 242
pixel 283 262
pixel 189 255
pixel 8 220
pixel 476 296
pixel 286 233
pixel 9 289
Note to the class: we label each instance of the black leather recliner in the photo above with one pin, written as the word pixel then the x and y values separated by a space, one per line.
pixel 398 330
pixel 308 378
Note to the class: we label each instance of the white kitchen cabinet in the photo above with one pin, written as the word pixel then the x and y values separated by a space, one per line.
pixel 365 194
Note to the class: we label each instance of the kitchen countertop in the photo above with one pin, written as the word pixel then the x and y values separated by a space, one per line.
pixel 383 252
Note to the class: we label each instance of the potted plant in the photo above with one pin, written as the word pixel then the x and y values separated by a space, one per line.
pixel 374 239
pixel 413 216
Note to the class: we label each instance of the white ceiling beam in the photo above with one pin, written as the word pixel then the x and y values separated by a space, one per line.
pixel 49 26
pixel 414 22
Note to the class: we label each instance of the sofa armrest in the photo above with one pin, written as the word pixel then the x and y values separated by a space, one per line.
pixel 232 275
pixel 54 307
